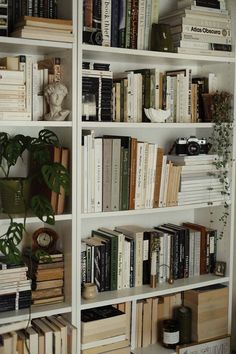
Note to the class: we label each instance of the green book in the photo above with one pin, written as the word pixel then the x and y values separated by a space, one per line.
pixel 128 24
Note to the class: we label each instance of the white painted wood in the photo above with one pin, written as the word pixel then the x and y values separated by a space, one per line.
pixel 153 349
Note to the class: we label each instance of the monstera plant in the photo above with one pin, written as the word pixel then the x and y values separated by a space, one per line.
pixel 19 195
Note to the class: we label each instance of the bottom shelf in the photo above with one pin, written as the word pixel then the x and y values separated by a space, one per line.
pixel 153 349
pixel 36 312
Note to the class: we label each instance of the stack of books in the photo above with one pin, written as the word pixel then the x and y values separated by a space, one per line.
pixel 15 88
pixel 52 334
pixel 201 27
pixel 43 29
pixel 113 259
pixel 97 82
pixel 199 181
pixel 47 278
pixel 15 287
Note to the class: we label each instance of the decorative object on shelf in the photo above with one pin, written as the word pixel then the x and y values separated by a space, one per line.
pixel 89 291
pixel 92 36
pixel 221 345
pixel 170 280
pixel 55 94
pixel 221 140
pixel 44 239
pixel 191 146
pixel 157 115
pixel 161 39
pixel 48 174
pixel 170 334
pixel 88 107
pixel 220 269
pixel 184 317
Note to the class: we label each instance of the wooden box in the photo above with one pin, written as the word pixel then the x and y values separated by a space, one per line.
pixel 209 307
pixel 104 328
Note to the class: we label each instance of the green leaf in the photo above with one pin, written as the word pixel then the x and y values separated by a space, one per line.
pixel 43 209
pixel 55 176
pixel 48 137
pixel 15 232
pixel 43 256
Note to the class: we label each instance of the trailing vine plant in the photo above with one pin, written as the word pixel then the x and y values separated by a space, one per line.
pixel 221 141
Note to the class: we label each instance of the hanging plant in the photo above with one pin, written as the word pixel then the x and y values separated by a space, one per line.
pixel 221 140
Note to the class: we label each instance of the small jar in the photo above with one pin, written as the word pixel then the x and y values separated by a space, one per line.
pixel 170 333
pixel 89 291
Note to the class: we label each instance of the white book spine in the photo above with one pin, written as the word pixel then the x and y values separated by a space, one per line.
pixel 166 182
pixel 98 174
pixel 144 174
pixel 140 107
pixel 120 262
pixel 212 82
pixel 126 263
pixel 90 174
pixel 163 178
pixel 155 11
pixel 45 83
pixel 135 98
pixel 203 21
pixel 37 97
pixel 11 77
pixel 147 30
pixel 154 171
pixel 149 175
pixel 85 174
pixel 139 181
pixel 161 261
pixel 106 23
pixel 115 173
pixel 18 116
pixel 141 24
pixel 130 98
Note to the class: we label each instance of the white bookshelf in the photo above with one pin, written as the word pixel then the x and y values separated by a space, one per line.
pixel 126 59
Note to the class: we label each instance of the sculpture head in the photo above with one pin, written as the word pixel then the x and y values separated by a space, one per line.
pixel 55 93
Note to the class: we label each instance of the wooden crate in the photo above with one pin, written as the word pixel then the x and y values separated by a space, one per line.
pixel 209 311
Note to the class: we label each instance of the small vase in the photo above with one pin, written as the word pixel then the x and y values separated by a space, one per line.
pixel 89 291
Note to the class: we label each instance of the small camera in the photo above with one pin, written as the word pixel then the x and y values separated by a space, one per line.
pixel 92 35
pixel 191 146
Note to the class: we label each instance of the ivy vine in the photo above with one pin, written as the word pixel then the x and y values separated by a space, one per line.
pixel 221 140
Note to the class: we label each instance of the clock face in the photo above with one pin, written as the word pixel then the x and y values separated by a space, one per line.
pixel 44 239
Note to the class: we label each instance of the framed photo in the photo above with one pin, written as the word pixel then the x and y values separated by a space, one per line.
pixel 220 269
pixel 221 346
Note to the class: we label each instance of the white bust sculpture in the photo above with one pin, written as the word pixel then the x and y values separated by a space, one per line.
pixel 55 94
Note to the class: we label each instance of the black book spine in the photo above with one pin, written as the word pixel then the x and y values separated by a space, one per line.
pixel 97 13
pixel 99 258
pixel 175 263
pixel 83 267
pixel 115 23
pixel 132 264
pixel 50 8
pixel 45 8
pixel 29 9
pixel 41 8
pixel 213 248
pixel 146 260
pixel 186 253
pixel 207 251
pixel 54 14
pixel 107 262
pixel 208 3
pixel 35 8
pixel 181 255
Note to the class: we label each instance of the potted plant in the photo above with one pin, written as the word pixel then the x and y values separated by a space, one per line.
pixel 221 141
pixel 47 173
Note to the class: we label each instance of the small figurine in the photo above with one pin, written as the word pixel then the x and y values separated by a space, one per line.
pixel 157 115
pixel 55 94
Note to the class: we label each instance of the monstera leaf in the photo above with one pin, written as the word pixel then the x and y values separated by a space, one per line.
pixel 43 209
pixel 55 176
pixel 15 232
pixel 9 242
pixel 48 137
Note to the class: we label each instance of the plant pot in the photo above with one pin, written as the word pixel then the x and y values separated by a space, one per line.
pixel 14 195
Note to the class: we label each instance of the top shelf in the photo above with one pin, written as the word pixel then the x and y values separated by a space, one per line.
pixel 133 55
pixel 31 46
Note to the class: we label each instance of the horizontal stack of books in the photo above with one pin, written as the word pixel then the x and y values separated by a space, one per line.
pixel 43 29
pixel 47 278
pixel 52 334
pixel 97 82
pixel 15 287
pixel 199 181
pixel 201 27
pixel 113 259
pixel 125 24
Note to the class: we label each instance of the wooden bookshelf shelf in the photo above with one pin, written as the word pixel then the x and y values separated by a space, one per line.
pixel 149 57
pixel 143 292
pixel 104 125
pixel 31 46
pixel 36 312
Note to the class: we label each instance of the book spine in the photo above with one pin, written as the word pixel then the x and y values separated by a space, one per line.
pixel 97 13
pixel 88 13
pixel 132 263
pixel 106 187
pixel 115 23
pixel 139 181
pixel 125 179
pixel 36 8
pixel 144 176
pixel 175 245
pixel 155 11
pixel 128 23
pixel 207 251
pixel 98 174
pixel 120 265
pixel 141 24
pixel 203 252
pixel 126 264
pixel 115 174
pixel 186 253
pixel 41 8
pixel 213 248
pixel 106 23
pixel 139 260
pixel 181 256
pixel 132 181
pixel 50 8
pixel 83 263
pixel 147 29
pixel 134 24
pixel 46 8
pixel 146 259
pixel 122 23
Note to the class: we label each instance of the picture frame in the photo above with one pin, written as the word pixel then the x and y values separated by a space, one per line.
pixel 219 346
pixel 220 269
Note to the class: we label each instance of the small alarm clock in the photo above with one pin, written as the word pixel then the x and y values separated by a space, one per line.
pixel 44 239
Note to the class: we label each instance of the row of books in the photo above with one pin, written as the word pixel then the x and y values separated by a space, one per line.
pixel 54 334
pixel 15 286
pixel 22 86
pixel 122 173
pixel 122 24
pixel 43 29
pixel 47 278
pixel 200 27
pixel 131 256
